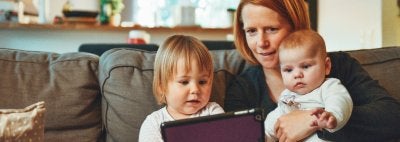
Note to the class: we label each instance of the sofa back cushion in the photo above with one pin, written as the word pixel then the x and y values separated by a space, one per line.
pixel 68 85
pixel 126 77
pixel 383 64
pixel 126 84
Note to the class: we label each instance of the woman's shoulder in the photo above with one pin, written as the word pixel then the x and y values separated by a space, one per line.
pixel 251 75
pixel 250 71
pixel 340 57
pixel 344 66
pixel 249 79
pixel 338 54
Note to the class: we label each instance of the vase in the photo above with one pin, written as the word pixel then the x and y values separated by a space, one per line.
pixel 115 20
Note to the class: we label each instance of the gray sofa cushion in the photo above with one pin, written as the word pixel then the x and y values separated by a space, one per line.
pixel 66 82
pixel 126 77
pixel 227 63
pixel 383 64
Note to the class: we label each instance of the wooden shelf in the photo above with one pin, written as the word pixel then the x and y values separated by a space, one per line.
pixel 108 28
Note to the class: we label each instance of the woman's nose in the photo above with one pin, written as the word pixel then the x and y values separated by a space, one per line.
pixel 262 40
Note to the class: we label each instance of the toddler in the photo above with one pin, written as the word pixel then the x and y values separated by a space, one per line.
pixel 183 75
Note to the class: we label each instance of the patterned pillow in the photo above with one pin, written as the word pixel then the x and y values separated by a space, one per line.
pixel 23 124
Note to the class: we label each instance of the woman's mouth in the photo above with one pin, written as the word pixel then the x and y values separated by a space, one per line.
pixel 267 53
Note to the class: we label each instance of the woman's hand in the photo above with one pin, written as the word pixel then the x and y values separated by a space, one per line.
pixel 295 126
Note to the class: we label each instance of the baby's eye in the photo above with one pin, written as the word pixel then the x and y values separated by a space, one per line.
pixel 306 66
pixel 202 82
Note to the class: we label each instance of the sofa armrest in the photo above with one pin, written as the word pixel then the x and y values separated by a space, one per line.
pixel 66 82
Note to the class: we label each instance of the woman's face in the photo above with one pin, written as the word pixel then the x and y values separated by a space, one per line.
pixel 264 29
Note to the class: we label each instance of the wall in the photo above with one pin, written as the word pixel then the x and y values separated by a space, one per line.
pixel 344 24
pixel 65 40
pixel 350 24
pixel 391 23
pixel 62 41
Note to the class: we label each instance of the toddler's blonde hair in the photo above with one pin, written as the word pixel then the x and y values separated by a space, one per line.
pixel 165 65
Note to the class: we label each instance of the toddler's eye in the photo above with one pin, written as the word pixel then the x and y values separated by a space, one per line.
pixel 184 82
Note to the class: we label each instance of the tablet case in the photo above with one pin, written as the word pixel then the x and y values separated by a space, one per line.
pixel 239 126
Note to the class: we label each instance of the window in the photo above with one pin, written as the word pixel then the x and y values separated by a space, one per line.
pixel 170 13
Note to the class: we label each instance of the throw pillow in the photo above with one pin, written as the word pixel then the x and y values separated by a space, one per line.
pixel 22 124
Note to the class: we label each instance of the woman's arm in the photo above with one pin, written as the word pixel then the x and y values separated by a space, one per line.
pixel 248 90
pixel 375 115
pixel 237 95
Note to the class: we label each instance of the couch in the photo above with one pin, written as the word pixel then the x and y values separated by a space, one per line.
pixel 90 98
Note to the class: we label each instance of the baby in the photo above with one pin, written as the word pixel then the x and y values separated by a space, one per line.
pixel 304 66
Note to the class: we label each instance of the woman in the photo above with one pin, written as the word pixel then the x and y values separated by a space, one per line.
pixel 260 26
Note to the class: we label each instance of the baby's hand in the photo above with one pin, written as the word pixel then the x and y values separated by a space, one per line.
pixel 324 119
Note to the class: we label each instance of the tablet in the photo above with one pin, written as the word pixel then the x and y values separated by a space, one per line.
pixel 238 126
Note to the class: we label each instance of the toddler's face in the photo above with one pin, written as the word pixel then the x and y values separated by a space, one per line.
pixel 188 90
pixel 302 71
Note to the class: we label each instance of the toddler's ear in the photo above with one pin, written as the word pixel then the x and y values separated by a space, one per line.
pixel 328 65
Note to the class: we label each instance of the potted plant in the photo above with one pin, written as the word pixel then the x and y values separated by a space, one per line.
pixel 116 8
pixel 111 12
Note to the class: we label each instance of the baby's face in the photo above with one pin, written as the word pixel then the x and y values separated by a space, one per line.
pixel 188 91
pixel 301 70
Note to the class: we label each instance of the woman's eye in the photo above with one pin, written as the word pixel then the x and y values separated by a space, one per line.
pixel 250 32
pixel 287 70
pixel 272 30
